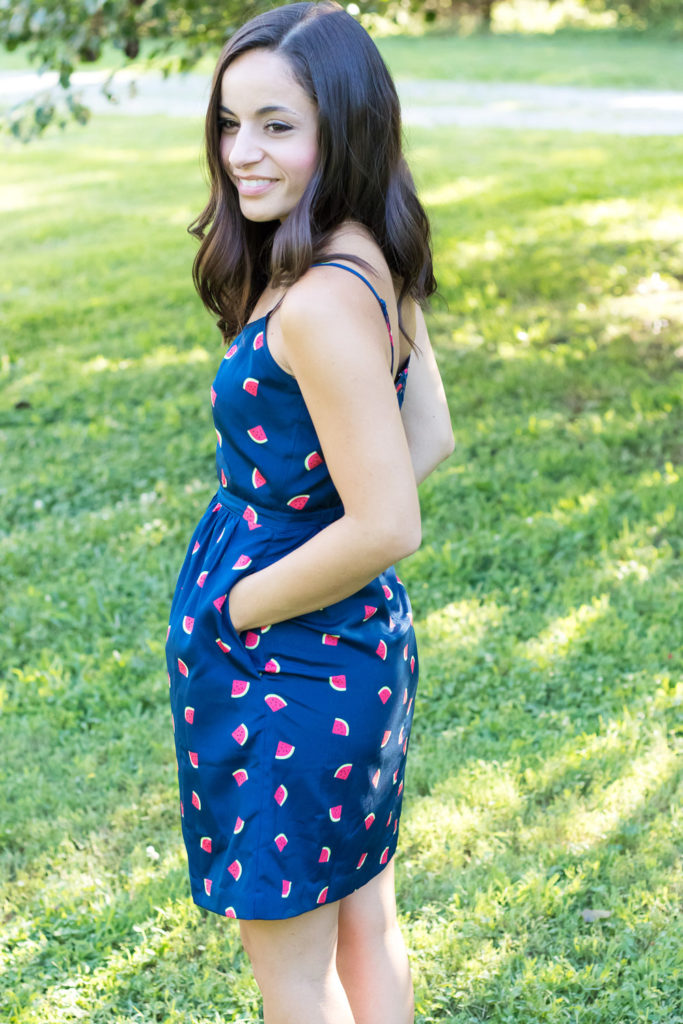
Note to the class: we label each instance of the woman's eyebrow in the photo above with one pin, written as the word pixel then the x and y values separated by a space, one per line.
pixel 261 110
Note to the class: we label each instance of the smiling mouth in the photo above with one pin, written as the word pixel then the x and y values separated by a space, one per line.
pixel 254 184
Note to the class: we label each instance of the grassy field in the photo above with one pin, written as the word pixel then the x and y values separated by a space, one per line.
pixel 539 872
pixel 568 57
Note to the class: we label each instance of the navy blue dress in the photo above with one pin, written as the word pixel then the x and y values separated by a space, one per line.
pixel 291 739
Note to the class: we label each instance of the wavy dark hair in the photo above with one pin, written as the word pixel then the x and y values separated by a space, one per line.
pixel 361 173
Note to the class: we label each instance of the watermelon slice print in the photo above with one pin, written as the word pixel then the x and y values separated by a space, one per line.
pixel 340 727
pixel 231 351
pixel 240 776
pixel 205 843
pixel 272 665
pixel 257 434
pixel 343 771
pixel 239 687
pixel 336 813
pixel 201 579
pixel 385 738
pixel 324 855
pixel 258 341
pixel 219 602
pixel 240 734
pixel 219 438
pixel 235 870
pixel 330 639
pixel 384 694
pixel 369 818
pixel 224 479
pixel 322 895
pixel 188 623
pixel 223 646
pixel 196 547
pixel 207 886
pixel 196 802
pixel 239 825
pixel 257 478
pixel 189 715
pixel 382 650
pixel 281 841
pixel 385 855
pixel 182 668
pixel 369 612
pixel 361 862
pixel 194 758
pixel 251 516
pixel 375 778
pixel 213 395
pixel 250 385
pixel 412 664
pixel 243 562
pixel 286 888
pixel 274 702
pixel 283 751
pixel 251 640
pixel 298 501
pixel 388 592
pixel 280 795
pixel 312 460
pixel 338 682
pixel 230 912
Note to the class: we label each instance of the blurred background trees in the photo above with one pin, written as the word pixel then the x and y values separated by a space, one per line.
pixel 62 36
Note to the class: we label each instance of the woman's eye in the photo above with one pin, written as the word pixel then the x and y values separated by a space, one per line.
pixel 226 124
pixel 277 127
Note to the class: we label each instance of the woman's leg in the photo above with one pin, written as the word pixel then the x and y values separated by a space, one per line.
pixel 371 956
pixel 294 966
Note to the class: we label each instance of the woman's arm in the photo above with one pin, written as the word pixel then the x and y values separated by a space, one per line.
pixel 337 346
pixel 425 414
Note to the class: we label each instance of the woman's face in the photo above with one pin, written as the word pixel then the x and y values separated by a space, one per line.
pixel 269 129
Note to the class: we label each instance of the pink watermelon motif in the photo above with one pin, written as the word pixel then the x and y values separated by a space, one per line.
pixel 324 855
pixel 382 650
pixel 336 813
pixel 240 734
pixel 182 810
pixel 384 694
pixel 395 777
pixel 250 385
pixel 405 695
pixel 194 758
pixel 251 516
pixel 257 479
pixel 283 751
pixel 258 340
pixel 405 653
pixel 330 639
pixel 369 818
pixel 400 788
pixel 280 795
pixel 219 437
pixel 361 862
pixel 173 721
pixel 219 602
pixel 219 538
pixel 243 562
pixel 239 825
pixel 340 727
pixel 412 664
pixel 168 631
pixel 201 579
pixel 272 665
pixel 239 687
pixel 281 841
pixel 240 776
pixel 213 395
pixel 385 855
pixel 230 353
pixel 189 715
pixel 400 736
pixel 196 802
pixel 207 886
pixel 369 612
pixel 410 704
pixel 385 738
pixel 312 460
pixel 395 826
pixel 251 640
pixel 223 646
pixel 217 507
pixel 338 682
pixel 230 912
pixel 205 843
pixel 196 547
pixel 274 702
pixel 224 479
pixel 257 434
pixel 235 870
pixel 388 592
pixel 343 771
pixel 389 820
pixel 405 747
pixel 182 668
pixel 188 623
pixel 286 888
pixel 322 895
pixel 298 501
pixel 375 778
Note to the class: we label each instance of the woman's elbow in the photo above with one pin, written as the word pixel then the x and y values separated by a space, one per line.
pixel 405 536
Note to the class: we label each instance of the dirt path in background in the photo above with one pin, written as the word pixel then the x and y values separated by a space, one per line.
pixel 425 102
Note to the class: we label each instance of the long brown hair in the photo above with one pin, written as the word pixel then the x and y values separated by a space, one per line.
pixel 361 174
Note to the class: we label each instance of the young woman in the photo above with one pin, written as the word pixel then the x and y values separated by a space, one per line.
pixel 291 651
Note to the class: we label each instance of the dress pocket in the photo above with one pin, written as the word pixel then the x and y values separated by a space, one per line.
pixel 244 644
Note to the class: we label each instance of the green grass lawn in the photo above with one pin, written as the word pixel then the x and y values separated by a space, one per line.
pixel 568 57
pixel 544 780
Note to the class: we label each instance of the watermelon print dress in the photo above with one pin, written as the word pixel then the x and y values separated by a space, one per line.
pixel 291 740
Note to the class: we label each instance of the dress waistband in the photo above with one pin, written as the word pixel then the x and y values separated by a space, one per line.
pixel 275 516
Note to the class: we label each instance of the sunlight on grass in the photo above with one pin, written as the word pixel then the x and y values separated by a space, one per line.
pixel 556 640
pixel 457 191
pixel 162 356
pixel 463 622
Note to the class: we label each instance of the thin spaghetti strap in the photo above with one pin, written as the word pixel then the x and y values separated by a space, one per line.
pixel 379 298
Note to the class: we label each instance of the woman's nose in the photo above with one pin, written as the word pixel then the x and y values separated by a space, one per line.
pixel 244 149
